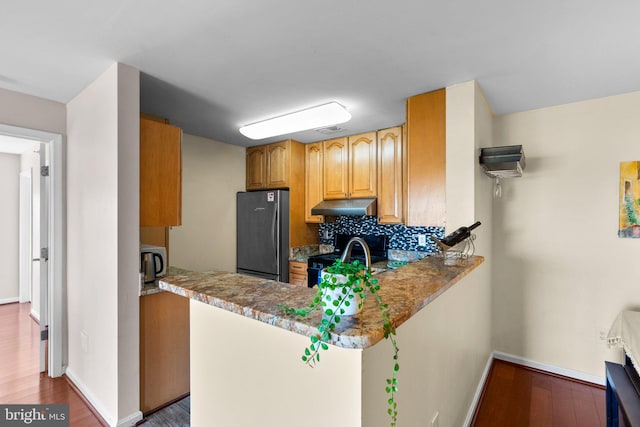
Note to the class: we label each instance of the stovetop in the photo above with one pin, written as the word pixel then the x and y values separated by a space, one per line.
pixel 331 257
pixel 377 248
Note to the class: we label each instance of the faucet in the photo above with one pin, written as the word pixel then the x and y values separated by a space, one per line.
pixel 346 255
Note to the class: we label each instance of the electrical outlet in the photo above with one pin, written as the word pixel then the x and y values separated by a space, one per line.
pixel 434 419
pixel 422 240
pixel 603 335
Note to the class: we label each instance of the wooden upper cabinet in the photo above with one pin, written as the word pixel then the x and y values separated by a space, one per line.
pixel 160 174
pixel 257 167
pixel 426 159
pixel 313 180
pixel 278 161
pixel 362 165
pixel 390 178
pixel 336 169
pixel 281 165
pixel 268 166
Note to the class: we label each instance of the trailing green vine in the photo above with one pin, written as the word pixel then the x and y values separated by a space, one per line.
pixel 359 283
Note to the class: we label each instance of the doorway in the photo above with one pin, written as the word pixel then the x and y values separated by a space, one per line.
pixel 47 254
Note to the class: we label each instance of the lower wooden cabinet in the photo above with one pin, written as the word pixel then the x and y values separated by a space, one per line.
pixel 298 273
pixel 164 349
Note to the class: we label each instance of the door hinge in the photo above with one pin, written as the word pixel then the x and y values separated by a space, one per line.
pixel 44 335
pixel 44 254
pixel 44 170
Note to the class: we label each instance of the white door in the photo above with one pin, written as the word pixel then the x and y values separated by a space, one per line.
pixel 44 253
pixel 26 260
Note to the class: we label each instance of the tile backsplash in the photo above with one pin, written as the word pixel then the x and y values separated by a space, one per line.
pixel 401 237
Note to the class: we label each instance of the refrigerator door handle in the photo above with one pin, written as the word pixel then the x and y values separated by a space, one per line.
pixel 275 235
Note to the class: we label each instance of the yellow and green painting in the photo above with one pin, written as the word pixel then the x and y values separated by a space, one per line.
pixel 629 199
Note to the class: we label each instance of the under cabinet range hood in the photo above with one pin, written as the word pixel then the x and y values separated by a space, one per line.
pixel 354 207
pixel 503 162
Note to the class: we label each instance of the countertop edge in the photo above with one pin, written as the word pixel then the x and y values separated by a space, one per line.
pixel 424 279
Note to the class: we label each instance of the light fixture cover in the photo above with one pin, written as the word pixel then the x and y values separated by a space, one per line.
pixel 323 115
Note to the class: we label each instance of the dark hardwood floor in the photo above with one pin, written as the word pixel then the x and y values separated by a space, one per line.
pixel 517 396
pixel 20 379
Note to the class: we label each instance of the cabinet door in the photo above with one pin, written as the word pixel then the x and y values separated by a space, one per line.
pixel 335 172
pixel 426 161
pixel 362 165
pixel 164 349
pixel 278 160
pixel 160 174
pixel 256 167
pixel 298 273
pixel 313 180
pixel 390 176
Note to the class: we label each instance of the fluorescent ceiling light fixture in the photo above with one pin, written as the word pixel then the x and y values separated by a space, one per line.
pixel 311 118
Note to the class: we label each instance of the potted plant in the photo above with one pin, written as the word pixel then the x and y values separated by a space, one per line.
pixel 342 292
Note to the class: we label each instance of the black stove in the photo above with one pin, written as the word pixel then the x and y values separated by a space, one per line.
pixel 377 248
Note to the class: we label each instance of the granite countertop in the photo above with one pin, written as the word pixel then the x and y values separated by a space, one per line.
pixel 407 290
pixel 149 288
pixel 152 287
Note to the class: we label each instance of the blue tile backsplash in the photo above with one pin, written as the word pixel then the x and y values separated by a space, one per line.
pixel 401 237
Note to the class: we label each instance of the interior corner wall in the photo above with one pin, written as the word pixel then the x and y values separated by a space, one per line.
pixel 469 126
pixel 128 243
pixel 562 275
pixel 102 241
pixel 9 227
pixel 212 173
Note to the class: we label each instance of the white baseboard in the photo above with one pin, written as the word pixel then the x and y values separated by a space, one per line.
pixel 131 420
pixel 90 397
pixel 476 397
pixel 581 376
pixel 8 300
pixel 550 368
pixel 128 421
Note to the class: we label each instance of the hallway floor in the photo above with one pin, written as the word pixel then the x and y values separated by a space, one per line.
pixel 20 379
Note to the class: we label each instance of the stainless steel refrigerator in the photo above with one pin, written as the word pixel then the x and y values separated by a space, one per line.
pixel 263 234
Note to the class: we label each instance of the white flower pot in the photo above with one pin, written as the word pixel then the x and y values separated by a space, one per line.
pixel 329 295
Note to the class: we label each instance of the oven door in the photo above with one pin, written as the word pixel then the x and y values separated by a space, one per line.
pixel 313 273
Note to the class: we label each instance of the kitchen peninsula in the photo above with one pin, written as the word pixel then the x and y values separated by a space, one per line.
pixel 245 352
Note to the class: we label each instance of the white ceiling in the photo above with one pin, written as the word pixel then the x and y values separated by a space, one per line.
pixel 211 66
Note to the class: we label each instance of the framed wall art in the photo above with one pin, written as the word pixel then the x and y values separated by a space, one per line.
pixel 629 199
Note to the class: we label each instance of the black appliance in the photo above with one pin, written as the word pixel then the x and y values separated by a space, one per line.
pixel 378 246
pixel 263 234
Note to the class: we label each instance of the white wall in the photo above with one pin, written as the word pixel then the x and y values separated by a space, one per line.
pixel 18 109
pixel 9 227
pixel 561 273
pixel 102 242
pixel 248 373
pixel 444 349
pixel 212 173
pixel 461 318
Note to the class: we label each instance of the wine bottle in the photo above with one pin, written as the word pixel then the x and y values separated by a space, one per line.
pixel 459 235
